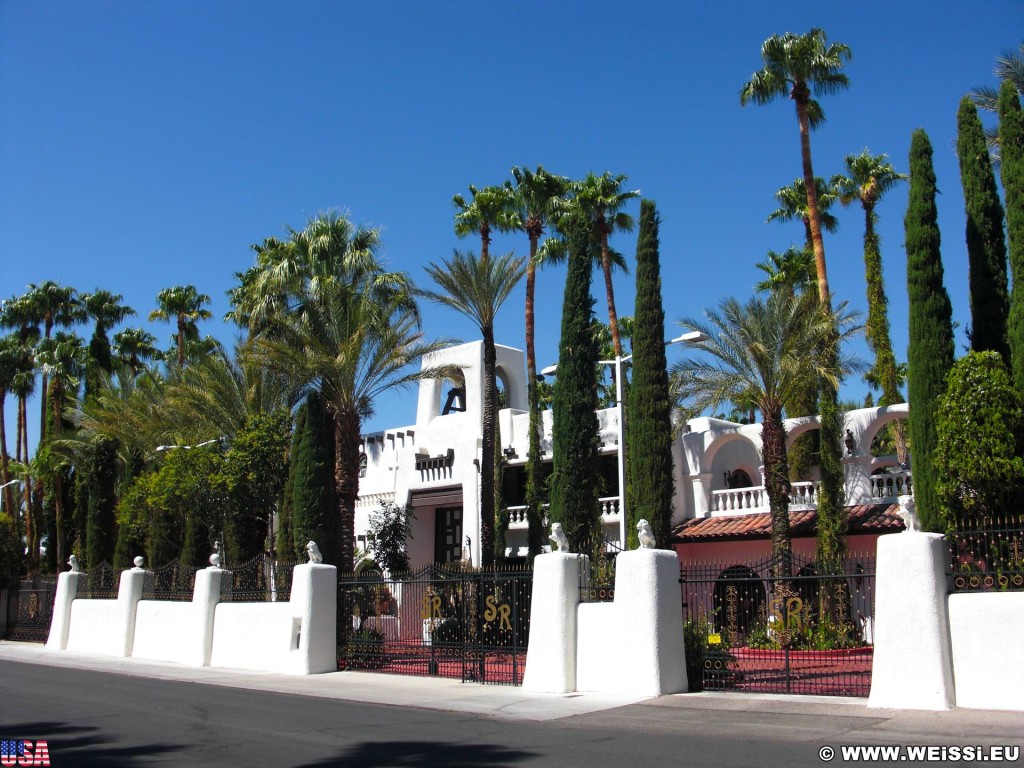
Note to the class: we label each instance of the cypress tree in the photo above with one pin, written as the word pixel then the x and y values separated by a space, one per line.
pixel 574 419
pixel 986 248
pixel 1011 168
pixel 285 541
pixel 930 355
pixel 102 522
pixel 649 438
pixel 314 510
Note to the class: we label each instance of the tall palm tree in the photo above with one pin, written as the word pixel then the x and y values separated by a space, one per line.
pixel 185 306
pixel 133 347
pixel 868 177
pixel 794 66
pixel 62 359
pixel 537 197
pixel 10 347
pixel 1009 68
pixel 488 209
pixel 476 289
pixel 106 310
pixel 57 305
pixel 765 349
pixel 792 202
pixel 602 200
pixel 791 271
pixel 351 346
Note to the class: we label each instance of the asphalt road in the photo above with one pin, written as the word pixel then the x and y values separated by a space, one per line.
pixel 94 718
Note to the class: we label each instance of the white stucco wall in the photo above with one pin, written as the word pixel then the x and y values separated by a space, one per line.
pixel 987 637
pixel 180 631
pixel 107 627
pixel 551 654
pixel 60 622
pixel 912 666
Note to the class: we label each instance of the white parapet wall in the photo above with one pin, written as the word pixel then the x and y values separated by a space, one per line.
pixel 178 631
pixel 912 666
pixel 642 628
pixel 107 627
pixel 571 643
pixel 986 631
pixel 297 637
pixel 60 623
pixel 551 654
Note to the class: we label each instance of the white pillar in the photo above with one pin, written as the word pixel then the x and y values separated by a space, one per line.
pixel 205 596
pixel 315 608
pixel 551 655
pixel 60 623
pixel 912 659
pixel 129 592
pixel 701 494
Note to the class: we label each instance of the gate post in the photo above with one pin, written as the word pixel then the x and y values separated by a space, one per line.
pixel 912 666
pixel 60 624
pixel 551 654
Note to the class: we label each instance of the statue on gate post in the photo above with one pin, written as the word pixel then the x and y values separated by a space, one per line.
pixel 558 537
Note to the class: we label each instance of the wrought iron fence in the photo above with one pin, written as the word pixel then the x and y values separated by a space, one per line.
pixel 30 607
pixel 261 579
pixel 987 552
pixel 597 576
pixel 447 621
pixel 751 627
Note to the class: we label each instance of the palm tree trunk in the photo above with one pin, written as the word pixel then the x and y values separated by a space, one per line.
pixel 606 268
pixel 812 197
pixel 181 341
pixel 346 482
pixel 5 473
pixel 534 480
pixel 776 484
pixel 58 479
pixel 489 429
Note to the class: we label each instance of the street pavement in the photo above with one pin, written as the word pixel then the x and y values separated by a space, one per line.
pixel 417 719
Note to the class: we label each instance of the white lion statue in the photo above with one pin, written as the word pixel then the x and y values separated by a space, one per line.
pixel 73 562
pixel 314 553
pixel 558 537
pixel 646 535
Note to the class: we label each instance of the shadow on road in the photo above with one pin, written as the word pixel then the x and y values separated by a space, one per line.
pixel 82 747
pixel 413 754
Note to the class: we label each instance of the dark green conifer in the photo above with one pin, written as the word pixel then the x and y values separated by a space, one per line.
pixel 574 417
pixel 930 355
pixel 986 248
pixel 102 521
pixel 1011 168
pixel 314 509
pixel 649 438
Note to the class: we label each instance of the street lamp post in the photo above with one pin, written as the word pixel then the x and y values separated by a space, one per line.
pixel 9 482
pixel 619 361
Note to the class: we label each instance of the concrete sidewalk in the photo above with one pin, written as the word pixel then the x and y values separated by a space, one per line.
pixel 716 711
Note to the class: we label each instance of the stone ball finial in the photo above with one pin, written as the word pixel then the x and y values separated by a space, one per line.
pixel 314 553
pixel 73 562
pixel 558 537
pixel 215 560
pixel 646 535
pixel 139 561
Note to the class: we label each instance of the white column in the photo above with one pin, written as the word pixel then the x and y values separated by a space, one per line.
pixel 551 655
pixel 912 660
pixel 60 623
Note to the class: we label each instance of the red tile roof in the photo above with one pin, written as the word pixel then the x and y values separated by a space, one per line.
pixel 864 518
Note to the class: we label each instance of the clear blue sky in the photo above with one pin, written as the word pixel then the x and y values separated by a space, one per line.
pixel 148 144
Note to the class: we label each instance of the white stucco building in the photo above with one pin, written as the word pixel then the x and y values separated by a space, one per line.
pixel 433 465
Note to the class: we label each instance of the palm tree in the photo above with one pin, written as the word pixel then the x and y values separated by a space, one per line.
pixel 794 65
pixel 351 346
pixel 868 178
pixel 106 309
pixel 62 359
pixel 766 349
pixel 792 202
pixel 186 307
pixel 537 197
pixel 602 199
pixel 10 346
pixel 1009 68
pixel 476 289
pixel 488 209
pixel 134 346
pixel 790 271
pixel 56 305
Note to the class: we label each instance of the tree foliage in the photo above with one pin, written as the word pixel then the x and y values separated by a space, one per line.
pixel 649 433
pixel 979 452
pixel 390 527
pixel 1011 132
pixel 574 417
pixel 986 248
pixel 930 355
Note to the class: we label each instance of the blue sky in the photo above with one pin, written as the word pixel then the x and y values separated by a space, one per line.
pixel 148 144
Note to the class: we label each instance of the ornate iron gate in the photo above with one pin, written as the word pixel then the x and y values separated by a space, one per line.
pixel 439 621
pixel 748 628
pixel 30 607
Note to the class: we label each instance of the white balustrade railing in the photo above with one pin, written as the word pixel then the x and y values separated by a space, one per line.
pixel 609 506
pixel 755 498
pixel 891 485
